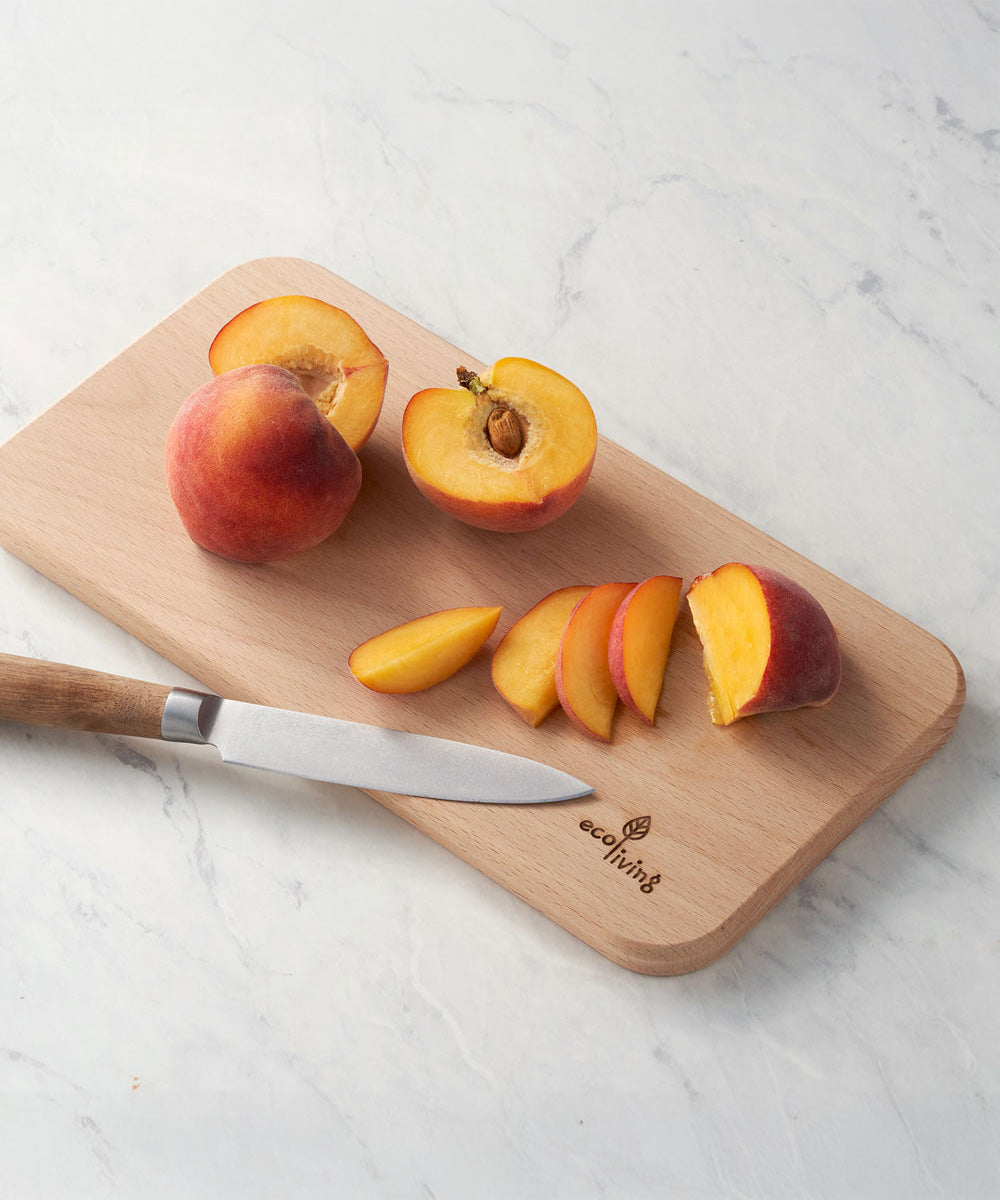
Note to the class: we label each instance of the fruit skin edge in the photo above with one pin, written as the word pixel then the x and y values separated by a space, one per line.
pixel 509 516
pixel 790 604
pixel 616 646
pixel 565 700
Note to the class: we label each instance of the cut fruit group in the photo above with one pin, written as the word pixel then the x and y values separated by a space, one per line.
pixel 524 664
pixel 422 652
pixel 511 449
pixel 640 642
pixel 583 678
pixel 340 367
pixel 768 644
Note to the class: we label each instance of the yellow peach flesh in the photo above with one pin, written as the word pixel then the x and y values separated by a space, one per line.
pixel 647 627
pixel 336 362
pixel 731 616
pixel 422 652
pixel 583 677
pixel 524 664
pixel 450 457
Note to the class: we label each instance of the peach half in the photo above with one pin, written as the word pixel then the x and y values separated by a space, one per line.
pixel 329 353
pixel 639 643
pixel 768 643
pixel 509 450
pixel 583 678
pixel 424 651
pixel 524 664
pixel 254 470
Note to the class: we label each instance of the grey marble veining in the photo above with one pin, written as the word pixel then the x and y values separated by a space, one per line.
pixel 765 240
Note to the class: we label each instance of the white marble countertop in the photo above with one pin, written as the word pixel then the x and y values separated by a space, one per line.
pixel 765 239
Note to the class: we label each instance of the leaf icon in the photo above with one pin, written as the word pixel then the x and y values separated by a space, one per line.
pixel 638 827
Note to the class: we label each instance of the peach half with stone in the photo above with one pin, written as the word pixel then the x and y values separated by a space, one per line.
pixel 509 450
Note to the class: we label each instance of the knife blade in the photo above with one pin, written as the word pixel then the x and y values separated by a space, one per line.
pixel 273 739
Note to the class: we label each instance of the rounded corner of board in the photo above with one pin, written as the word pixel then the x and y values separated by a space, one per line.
pixel 958 700
pixel 266 264
pixel 662 959
pixel 955 702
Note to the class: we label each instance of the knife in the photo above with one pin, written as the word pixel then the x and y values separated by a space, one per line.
pixel 274 739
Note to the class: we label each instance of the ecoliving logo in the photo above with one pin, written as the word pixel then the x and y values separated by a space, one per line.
pixel 632 830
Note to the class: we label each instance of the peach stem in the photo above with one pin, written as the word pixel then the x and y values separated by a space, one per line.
pixel 470 380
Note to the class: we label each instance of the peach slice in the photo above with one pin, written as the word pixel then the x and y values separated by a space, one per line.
pixel 324 347
pixel 768 644
pixel 583 678
pixel 254 470
pixel 509 450
pixel 422 652
pixel 524 664
pixel 639 643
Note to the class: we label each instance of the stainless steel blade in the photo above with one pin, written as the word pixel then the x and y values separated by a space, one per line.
pixel 365 756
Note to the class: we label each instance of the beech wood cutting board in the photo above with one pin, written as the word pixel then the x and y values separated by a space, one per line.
pixel 720 822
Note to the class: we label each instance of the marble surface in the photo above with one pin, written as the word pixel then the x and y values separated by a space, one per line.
pixel 765 239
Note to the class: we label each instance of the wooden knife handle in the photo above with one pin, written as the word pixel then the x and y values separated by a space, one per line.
pixel 47 693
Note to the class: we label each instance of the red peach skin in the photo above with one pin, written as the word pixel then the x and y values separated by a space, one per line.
pixel 255 471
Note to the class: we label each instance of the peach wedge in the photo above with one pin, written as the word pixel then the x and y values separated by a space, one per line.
pixel 639 643
pixel 583 678
pixel 524 664
pixel 422 652
pixel 333 358
pixel 509 450
pixel 768 644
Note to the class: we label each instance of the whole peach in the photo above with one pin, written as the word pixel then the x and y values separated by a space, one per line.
pixel 255 470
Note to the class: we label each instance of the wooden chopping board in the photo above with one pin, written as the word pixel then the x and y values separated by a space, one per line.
pixel 731 818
